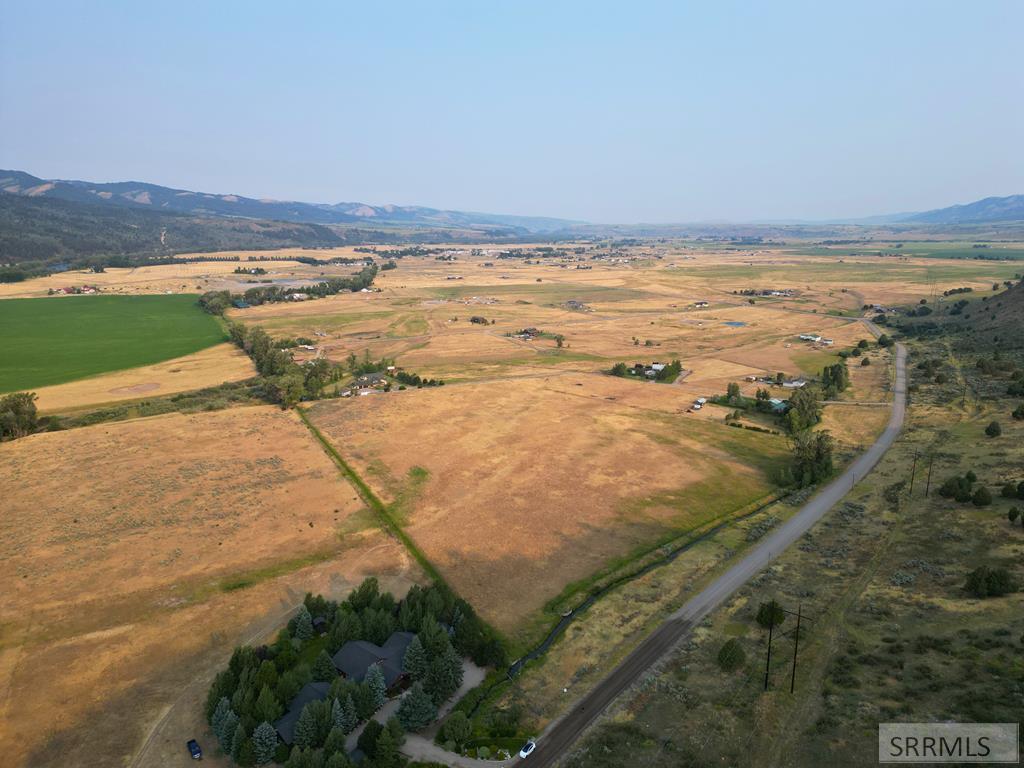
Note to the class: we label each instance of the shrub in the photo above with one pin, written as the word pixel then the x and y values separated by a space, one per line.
pixel 1013 514
pixel 865 361
pixel 1009 491
pixel 993 429
pixel 982 497
pixel 770 614
pixel 731 655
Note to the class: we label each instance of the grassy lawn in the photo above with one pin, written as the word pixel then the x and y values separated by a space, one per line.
pixel 51 341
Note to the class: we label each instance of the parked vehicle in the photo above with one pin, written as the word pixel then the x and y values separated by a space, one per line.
pixel 194 749
pixel 528 748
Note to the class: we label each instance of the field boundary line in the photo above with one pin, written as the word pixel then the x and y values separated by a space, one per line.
pixel 388 523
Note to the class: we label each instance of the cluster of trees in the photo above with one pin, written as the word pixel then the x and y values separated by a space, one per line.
pixel 962 488
pixel 218 302
pixel 955 291
pixel 414 380
pixel 670 372
pixel 18 415
pixel 284 381
pixel 984 581
pixel 362 367
pixel 812 460
pixel 834 379
pixel 255 689
pixel 1011 491
pixel 804 410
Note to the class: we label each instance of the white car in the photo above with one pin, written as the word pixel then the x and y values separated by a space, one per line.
pixel 528 748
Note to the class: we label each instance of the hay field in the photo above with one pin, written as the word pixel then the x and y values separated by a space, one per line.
pixel 215 365
pixel 515 489
pixel 135 553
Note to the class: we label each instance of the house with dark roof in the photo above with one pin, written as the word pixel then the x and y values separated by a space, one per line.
pixel 285 726
pixel 355 658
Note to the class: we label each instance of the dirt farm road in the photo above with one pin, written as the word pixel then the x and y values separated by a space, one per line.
pixel 560 735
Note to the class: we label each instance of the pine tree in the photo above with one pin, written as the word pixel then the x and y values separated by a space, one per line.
pixel 338 760
pixel 267 707
pixel 415 660
pixel 442 680
pixel 433 637
pixel 417 709
pixel 337 714
pixel 297 759
pixel 264 743
pixel 374 680
pixel 303 624
pixel 306 728
pixel 237 739
pixel 223 687
pixel 226 733
pixel 246 754
pixel 323 668
pixel 219 713
pixel 386 755
pixel 335 742
pixel 346 626
pixel 348 714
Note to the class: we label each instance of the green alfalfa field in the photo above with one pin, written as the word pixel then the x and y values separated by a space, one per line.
pixel 53 340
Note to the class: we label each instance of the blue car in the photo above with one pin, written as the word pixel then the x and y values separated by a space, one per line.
pixel 194 750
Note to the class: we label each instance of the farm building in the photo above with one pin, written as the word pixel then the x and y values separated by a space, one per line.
pixel 810 337
pixel 285 726
pixel 356 657
pixel 794 384
pixel 700 304
pixel 778 406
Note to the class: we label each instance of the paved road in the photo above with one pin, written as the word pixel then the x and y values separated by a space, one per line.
pixel 561 734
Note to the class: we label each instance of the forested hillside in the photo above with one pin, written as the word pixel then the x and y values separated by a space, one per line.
pixel 37 235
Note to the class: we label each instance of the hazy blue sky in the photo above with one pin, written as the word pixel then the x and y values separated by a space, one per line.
pixel 611 112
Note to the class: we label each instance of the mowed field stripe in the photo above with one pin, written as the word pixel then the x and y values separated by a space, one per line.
pixel 373 501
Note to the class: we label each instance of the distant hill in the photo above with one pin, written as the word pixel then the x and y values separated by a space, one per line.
pixel 981 211
pixel 36 232
pixel 138 195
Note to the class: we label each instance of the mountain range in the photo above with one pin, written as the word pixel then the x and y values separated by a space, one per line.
pixel 142 196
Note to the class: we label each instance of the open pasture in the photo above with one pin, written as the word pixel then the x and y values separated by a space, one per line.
pixel 137 553
pixel 515 489
pixel 54 340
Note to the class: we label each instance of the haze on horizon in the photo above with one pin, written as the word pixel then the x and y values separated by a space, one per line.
pixel 611 113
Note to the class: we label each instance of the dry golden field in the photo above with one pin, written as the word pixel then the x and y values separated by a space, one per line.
pixel 212 366
pixel 137 552
pixel 516 489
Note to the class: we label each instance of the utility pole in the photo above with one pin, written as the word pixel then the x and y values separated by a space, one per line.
pixel 796 646
pixel 928 487
pixel 913 471
pixel 768 661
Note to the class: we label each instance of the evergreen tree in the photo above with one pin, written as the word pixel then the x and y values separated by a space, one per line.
pixel 323 668
pixel 338 760
pixel 433 637
pixel 267 707
pixel 337 714
pixel 346 626
pixel 374 680
pixel 415 660
pixel 237 738
pixel 396 730
pixel 246 756
pixel 335 742
pixel 349 717
pixel 367 741
pixel 222 689
pixel 417 709
pixel 297 759
pixel 387 755
pixel 226 733
pixel 442 680
pixel 305 734
pixel 303 624
pixel 267 675
pixel 219 713
pixel 264 742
